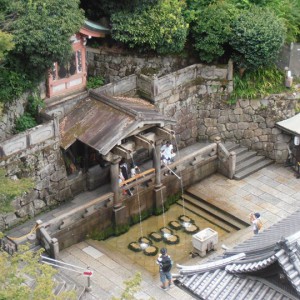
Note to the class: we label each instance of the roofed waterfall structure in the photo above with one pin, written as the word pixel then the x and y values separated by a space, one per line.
pixel 266 266
pixel 114 128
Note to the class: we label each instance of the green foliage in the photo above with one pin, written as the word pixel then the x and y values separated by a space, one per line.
pixel 144 215
pixel 96 10
pixel 103 234
pixel 6 44
pixel 94 82
pixel 13 277
pixel 257 37
pixel 255 84
pixel 13 85
pixel 42 31
pixel 120 229
pixel 211 29
pixel 10 189
pixel 170 200
pixel 29 118
pixel 132 286
pixel 287 10
pixel 25 122
pixel 159 27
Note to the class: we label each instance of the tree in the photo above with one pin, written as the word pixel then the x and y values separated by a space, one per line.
pixel 42 31
pixel 159 27
pixel 287 10
pixel 24 264
pixel 6 44
pixel 257 37
pixel 211 29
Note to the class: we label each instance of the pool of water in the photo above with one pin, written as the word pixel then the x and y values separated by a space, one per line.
pixel 179 253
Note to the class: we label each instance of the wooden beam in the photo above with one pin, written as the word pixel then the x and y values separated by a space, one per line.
pixel 137 176
pixel 142 142
pixel 164 133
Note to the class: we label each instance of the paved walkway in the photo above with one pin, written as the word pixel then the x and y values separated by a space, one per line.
pixel 273 191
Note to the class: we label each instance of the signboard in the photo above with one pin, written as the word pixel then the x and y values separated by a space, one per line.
pixel 88 273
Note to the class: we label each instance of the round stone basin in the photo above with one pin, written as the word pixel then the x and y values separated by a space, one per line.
pixel 179 253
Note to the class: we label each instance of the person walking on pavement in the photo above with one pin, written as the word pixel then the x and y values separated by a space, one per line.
pixel 256 221
pixel 165 265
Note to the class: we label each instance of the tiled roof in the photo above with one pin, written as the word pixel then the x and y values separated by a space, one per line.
pixel 248 276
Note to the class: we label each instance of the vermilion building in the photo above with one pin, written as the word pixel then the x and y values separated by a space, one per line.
pixel 70 76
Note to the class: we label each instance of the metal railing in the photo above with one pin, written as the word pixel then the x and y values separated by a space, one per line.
pixel 65 266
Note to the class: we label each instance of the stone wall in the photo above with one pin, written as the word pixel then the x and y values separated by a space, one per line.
pixel 8 115
pixel 114 65
pixel 249 122
pixel 41 161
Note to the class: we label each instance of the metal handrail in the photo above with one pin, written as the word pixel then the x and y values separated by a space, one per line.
pixel 62 265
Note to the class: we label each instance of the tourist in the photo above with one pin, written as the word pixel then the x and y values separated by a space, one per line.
pixel 256 222
pixel 122 179
pixel 134 170
pixel 165 264
pixel 167 153
pixel 124 169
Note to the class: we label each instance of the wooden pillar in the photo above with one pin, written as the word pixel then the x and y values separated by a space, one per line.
pixel 159 189
pixel 114 180
pixel 157 163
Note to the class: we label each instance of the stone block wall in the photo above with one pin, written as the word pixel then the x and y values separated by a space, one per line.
pixel 249 122
pixel 43 163
pixel 9 112
pixel 114 65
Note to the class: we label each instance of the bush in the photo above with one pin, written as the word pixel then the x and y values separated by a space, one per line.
pixel 159 27
pixel 25 122
pixel 211 30
pixel 255 84
pixel 13 85
pixel 94 82
pixel 257 37
pixel 10 189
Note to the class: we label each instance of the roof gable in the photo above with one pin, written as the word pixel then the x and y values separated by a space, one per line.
pixel 102 122
pixel 248 276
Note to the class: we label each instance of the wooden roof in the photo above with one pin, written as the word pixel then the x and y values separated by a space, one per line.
pixel 101 122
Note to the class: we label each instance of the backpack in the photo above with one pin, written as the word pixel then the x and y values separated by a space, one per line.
pixel 166 263
pixel 259 224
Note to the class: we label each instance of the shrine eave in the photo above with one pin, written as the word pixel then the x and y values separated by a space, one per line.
pixel 92 29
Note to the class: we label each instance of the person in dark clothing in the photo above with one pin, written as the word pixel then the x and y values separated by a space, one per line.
pixel 165 264
pixel 124 169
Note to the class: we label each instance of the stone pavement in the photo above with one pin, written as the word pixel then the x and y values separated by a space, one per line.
pixel 272 191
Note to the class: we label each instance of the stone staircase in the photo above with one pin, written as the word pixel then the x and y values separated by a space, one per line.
pixel 63 283
pixel 211 212
pixel 247 161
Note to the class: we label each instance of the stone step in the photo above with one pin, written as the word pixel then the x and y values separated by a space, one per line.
pixel 207 216
pixel 240 150
pixel 230 146
pixel 66 284
pixel 245 156
pixel 214 211
pixel 252 169
pixel 249 163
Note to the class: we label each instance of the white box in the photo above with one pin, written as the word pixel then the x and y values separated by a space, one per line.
pixel 205 240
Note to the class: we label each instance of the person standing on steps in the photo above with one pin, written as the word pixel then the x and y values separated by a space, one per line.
pixel 256 222
pixel 165 265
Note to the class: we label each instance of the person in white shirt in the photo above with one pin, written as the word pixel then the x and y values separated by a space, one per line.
pixel 167 153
